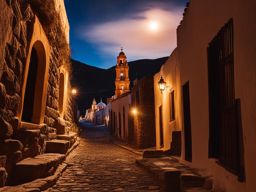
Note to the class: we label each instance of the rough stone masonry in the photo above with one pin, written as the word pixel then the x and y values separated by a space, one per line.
pixel 21 23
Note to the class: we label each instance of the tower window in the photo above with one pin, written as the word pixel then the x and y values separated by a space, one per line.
pixel 122 87
pixel 121 76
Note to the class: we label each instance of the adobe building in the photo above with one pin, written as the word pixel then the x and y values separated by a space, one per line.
pixel 119 104
pixel 142 126
pixel 168 106
pixel 119 116
pixel 35 104
pixel 212 72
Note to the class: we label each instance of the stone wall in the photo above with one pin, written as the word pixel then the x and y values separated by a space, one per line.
pixel 144 122
pixel 14 38
pixel 16 29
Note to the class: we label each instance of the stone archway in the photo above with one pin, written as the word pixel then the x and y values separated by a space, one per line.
pixel 63 87
pixel 61 92
pixel 35 78
pixel 32 105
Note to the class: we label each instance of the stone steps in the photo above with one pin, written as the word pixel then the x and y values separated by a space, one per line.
pixel 57 146
pixel 176 176
pixel 197 189
pixel 71 137
pixel 36 167
pixel 192 180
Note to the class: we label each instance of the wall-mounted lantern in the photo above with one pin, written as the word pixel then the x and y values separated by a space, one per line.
pixel 162 84
pixel 74 92
pixel 134 111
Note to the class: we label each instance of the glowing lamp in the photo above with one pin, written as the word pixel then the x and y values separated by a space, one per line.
pixel 162 84
pixel 74 91
pixel 134 111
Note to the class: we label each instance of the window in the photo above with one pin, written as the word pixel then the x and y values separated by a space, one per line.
pixel 122 76
pixel 172 106
pixel 224 133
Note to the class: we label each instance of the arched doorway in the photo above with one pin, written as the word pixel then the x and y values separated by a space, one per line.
pixel 61 92
pixel 29 98
pixel 34 85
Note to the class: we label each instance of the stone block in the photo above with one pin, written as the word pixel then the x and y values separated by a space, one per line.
pixel 55 103
pixel 71 137
pixel 153 153
pixel 172 180
pixel 37 167
pixel 3 176
pixel 60 125
pixel 18 67
pixel 3 160
pixel 192 180
pixel 9 57
pixel 8 79
pixel 12 102
pixel 15 122
pixel 50 112
pixel 11 146
pixel 57 146
pixel 16 9
pixel 23 34
pixel 2 96
pixel 5 129
pixel 15 157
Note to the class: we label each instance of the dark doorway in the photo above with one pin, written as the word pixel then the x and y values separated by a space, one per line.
pixel 124 121
pixel 120 125
pixel 29 98
pixel 161 126
pixel 114 123
pixel 187 122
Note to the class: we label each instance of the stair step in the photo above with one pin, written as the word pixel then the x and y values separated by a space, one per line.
pixel 57 146
pixel 36 167
pixel 192 180
pixel 197 189
pixel 69 137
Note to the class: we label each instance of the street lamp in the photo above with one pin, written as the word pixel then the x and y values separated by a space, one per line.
pixel 134 111
pixel 162 84
pixel 74 92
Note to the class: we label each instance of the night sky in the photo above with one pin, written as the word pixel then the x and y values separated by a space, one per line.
pixel 146 29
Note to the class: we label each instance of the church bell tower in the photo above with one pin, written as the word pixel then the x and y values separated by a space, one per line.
pixel 122 75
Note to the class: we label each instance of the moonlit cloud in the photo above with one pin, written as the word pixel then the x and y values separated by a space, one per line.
pixel 150 34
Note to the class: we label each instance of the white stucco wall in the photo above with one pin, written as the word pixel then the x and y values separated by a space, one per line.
pixel 117 106
pixel 170 72
pixel 203 20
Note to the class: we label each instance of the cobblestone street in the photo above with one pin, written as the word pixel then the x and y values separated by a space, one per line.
pixel 98 165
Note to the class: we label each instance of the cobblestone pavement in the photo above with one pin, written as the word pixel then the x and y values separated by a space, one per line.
pixel 98 165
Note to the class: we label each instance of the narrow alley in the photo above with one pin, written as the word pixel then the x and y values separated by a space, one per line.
pixel 99 165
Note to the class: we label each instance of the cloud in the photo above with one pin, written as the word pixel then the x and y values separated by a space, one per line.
pixel 135 35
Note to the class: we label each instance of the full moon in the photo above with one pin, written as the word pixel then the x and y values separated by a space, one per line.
pixel 153 26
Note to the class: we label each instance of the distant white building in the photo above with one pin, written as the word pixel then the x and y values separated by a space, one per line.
pixel 98 113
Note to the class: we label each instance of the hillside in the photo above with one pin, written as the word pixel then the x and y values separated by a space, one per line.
pixel 93 82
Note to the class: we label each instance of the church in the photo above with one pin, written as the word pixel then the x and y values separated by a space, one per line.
pixel 97 114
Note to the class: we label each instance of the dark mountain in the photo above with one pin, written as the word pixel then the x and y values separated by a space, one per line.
pixel 93 82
